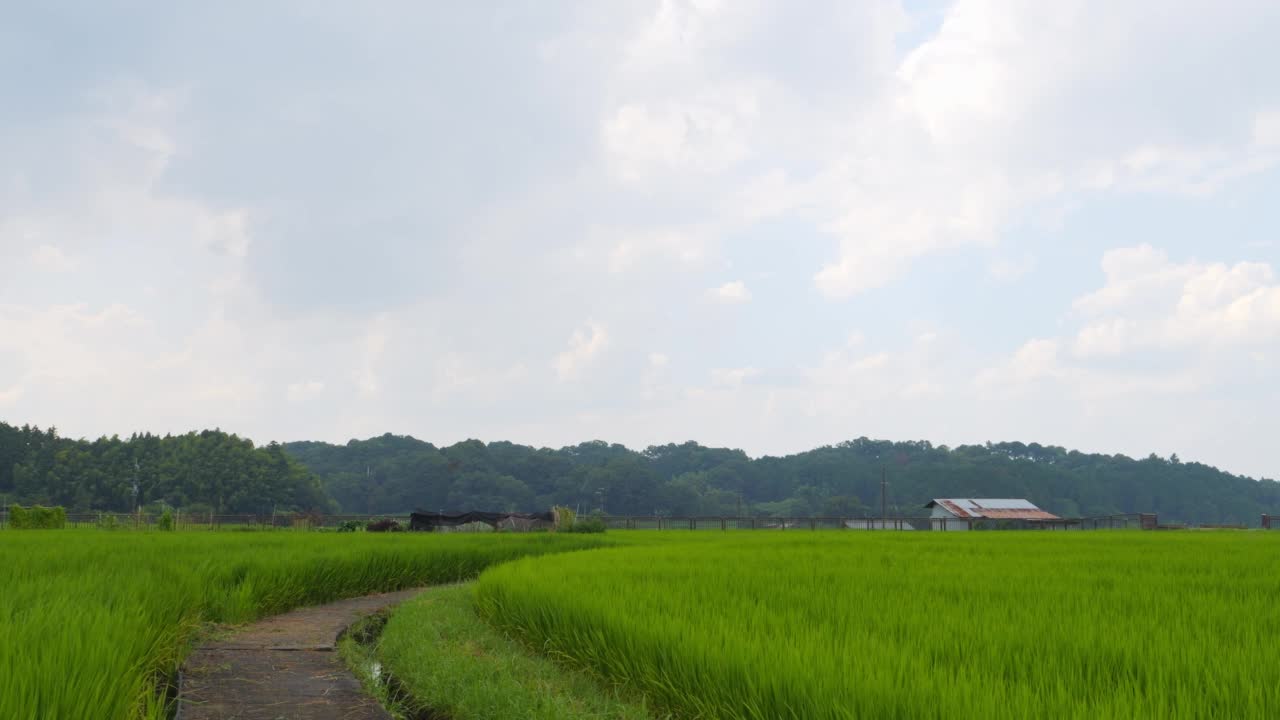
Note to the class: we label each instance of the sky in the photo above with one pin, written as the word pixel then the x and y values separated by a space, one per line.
pixel 756 224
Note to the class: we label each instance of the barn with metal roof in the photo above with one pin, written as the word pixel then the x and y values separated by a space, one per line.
pixel 964 513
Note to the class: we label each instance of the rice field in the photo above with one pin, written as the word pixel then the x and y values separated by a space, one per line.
pixel 915 625
pixel 92 622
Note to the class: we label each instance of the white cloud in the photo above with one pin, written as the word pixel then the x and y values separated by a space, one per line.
pixel 1266 129
pixel 730 293
pixel 373 347
pixel 1035 360
pixel 304 390
pixel 10 395
pixel 225 232
pixel 702 136
pixel 584 349
pixel 732 377
pixel 991 118
pixel 656 375
pixel 1151 302
pixel 53 259
pixel 675 145
pixel 670 248
pixel 457 373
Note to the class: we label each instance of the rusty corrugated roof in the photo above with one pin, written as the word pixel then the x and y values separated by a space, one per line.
pixel 993 508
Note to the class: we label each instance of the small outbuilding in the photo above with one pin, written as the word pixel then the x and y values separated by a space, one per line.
pixel 964 513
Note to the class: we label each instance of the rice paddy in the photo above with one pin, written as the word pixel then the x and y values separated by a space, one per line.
pixel 451 664
pixel 803 625
pixel 915 625
pixel 93 623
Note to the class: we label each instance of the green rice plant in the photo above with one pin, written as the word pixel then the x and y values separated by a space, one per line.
pixel 91 623
pixel 451 664
pixel 811 626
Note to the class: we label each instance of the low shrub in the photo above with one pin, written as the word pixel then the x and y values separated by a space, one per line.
pixel 351 526
pixel 37 518
pixel 564 517
pixel 165 522
pixel 588 525
pixel 383 525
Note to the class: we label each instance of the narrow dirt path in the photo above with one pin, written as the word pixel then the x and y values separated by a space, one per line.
pixel 283 668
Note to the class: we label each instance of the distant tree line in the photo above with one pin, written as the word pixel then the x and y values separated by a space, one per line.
pixel 392 473
pixel 213 471
pixel 209 471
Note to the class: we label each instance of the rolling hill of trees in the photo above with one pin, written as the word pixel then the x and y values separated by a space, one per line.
pixel 394 473
pixel 209 471
pixel 218 472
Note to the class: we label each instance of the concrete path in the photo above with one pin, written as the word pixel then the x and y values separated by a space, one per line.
pixel 283 668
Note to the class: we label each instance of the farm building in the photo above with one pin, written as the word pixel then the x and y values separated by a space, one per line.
pixel 883 524
pixel 963 513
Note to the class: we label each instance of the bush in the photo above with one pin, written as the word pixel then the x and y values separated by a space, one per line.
pixel 588 525
pixel 37 518
pixel 351 526
pixel 166 520
pixel 564 517
pixel 383 525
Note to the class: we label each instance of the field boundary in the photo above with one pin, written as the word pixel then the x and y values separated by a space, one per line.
pixel 312 521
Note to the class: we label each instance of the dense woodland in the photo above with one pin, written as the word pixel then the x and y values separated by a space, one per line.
pixel 209 471
pixel 393 473
pixel 213 471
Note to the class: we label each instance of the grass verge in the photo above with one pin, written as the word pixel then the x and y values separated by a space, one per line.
pixel 447 662
pixel 92 622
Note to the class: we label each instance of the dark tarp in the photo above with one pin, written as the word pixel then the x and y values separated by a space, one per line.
pixel 431 521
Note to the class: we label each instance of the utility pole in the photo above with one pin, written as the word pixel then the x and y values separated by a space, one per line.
pixel 884 492
pixel 136 468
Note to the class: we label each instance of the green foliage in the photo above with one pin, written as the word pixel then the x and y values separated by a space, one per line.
pixel 210 471
pixel 461 668
pixel 165 521
pixel 383 525
pixel 564 516
pixel 350 526
pixel 835 626
pixel 90 620
pixel 391 474
pixel 587 525
pixel 37 518
pixel 215 472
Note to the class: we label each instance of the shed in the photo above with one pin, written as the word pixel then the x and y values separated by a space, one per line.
pixel 961 513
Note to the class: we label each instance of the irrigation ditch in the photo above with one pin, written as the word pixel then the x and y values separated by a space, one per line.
pixel 358 647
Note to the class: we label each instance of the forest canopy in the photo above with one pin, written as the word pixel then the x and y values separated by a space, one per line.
pixel 213 471
pixel 392 472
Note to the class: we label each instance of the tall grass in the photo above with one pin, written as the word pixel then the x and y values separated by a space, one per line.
pixel 452 664
pixel 90 621
pixel 900 625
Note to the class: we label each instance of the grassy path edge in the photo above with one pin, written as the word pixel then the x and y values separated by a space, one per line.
pixel 447 662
